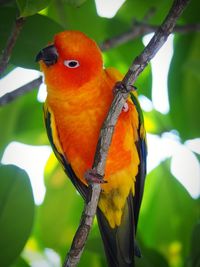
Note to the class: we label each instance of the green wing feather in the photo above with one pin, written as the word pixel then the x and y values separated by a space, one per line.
pixel 142 151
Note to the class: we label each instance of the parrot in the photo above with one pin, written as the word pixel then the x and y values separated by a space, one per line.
pixel 79 95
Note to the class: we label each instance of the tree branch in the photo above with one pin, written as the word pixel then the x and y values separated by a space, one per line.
pixel 122 92
pixel 10 44
pixel 7 98
pixel 140 29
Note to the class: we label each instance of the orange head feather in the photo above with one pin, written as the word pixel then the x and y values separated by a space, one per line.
pixel 73 47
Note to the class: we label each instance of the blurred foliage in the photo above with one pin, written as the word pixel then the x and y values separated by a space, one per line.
pixel 20 127
pixel 16 212
pixel 31 7
pixel 171 213
pixel 184 84
pixel 194 260
pixel 168 232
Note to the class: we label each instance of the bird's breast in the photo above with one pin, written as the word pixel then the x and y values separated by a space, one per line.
pixel 78 121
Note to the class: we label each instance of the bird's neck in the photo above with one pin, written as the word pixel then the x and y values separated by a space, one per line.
pixel 85 97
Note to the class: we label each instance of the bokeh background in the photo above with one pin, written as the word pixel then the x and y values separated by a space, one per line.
pixel 39 208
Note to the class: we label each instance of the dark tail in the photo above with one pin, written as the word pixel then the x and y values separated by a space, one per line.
pixel 119 243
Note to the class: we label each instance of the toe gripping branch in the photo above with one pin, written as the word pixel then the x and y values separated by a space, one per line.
pixel 121 87
pixel 92 177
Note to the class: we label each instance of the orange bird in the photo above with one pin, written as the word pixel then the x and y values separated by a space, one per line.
pixel 79 95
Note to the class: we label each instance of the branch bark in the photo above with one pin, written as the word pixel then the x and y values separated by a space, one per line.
pixel 107 130
pixel 10 44
pixel 7 98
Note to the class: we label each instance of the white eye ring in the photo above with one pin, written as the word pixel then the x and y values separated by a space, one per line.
pixel 72 63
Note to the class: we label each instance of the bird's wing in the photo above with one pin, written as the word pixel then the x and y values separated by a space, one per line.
pixel 140 144
pixel 54 141
pixel 119 242
pixel 142 152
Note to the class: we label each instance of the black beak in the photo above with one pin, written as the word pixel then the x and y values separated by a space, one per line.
pixel 48 54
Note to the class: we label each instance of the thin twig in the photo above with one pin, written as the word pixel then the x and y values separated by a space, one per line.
pixel 7 98
pixel 10 44
pixel 107 130
pixel 141 29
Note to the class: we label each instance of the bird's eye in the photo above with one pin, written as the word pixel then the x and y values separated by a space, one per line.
pixel 72 63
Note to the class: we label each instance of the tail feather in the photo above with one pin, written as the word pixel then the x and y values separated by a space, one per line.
pixel 119 243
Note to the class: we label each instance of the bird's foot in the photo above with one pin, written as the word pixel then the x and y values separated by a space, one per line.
pixel 121 87
pixel 125 107
pixel 92 177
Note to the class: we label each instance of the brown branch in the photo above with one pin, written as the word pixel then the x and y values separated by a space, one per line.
pixel 7 98
pixel 10 44
pixel 85 225
pixel 122 92
pixel 141 29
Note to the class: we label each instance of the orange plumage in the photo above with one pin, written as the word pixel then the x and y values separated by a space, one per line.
pixel 78 100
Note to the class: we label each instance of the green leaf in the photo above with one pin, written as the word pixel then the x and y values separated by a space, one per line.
pixel 191 13
pixel 76 3
pixel 184 84
pixel 194 258
pixel 31 7
pixel 7 18
pixel 16 212
pixel 92 260
pixel 156 122
pixel 168 214
pixel 25 123
pixel 80 19
pixel 151 258
pixel 94 244
pixel 37 32
pixel 20 263
pixel 138 10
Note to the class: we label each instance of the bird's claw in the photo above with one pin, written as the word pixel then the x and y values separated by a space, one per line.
pixel 92 177
pixel 125 107
pixel 121 87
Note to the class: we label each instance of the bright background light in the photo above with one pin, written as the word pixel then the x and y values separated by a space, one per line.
pixel 16 78
pixel 108 8
pixel 160 67
pixel 33 160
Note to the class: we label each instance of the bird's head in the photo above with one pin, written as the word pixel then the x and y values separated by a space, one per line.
pixel 70 61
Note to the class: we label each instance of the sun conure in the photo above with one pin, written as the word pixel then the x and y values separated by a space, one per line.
pixel 79 95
